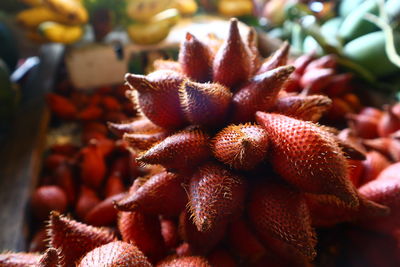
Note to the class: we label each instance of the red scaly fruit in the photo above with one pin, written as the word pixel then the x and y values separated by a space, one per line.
pixel 13 259
pixel 115 254
pixel 215 195
pixel 188 261
pixel 141 124
pixel 260 94
pixel 104 213
pixel 179 151
pixel 183 250
pixel 204 104
pixel 316 80
pixel 110 103
pixel 93 166
pixel 281 211
pixel 114 185
pixel 47 198
pixel 326 211
pixel 241 146
pixel 199 242
pixel 87 199
pixel 232 63
pixel 90 113
pixel 49 259
pixel 162 193
pixel 156 95
pixel 302 62
pixel 277 59
pixel 195 59
pixel 374 164
pixel 244 241
pixel 144 140
pixel 105 146
pixel 325 62
pixel 252 44
pixel 167 64
pixel 64 178
pixel 388 146
pixel 221 257
pixel 356 169
pixel 144 231
pixel 169 231
pixel 73 239
pixel 53 161
pixel 308 157
pixel 365 126
pixel 307 108
pixel 39 241
pixel 388 123
pixel 340 84
pixel 67 149
pixel 120 165
pixel 61 106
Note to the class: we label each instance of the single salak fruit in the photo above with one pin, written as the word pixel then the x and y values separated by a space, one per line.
pixel 144 231
pixel 308 157
pixel 61 106
pixel 277 59
pixel 388 123
pixel 252 44
pixel 14 259
pixel 215 195
pixel 115 254
pixel 114 185
pixel 162 193
pixel 47 198
pixel 93 166
pixel 204 103
pixel 157 97
pixel 49 259
pixel 179 151
pixel 104 213
pixel 307 108
pixel 86 201
pixel 374 164
pixel 232 63
pixel 241 146
pixel 73 239
pixel 195 59
pixel 188 261
pixel 281 211
pixel 259 94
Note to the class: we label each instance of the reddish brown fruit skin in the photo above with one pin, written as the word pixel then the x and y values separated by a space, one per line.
pixel 365 126
pixel 195 59
pixel 61 106
pixel 241 146
pixel 278 210
pixel 252 43
pixel 114 185
pixel 47 198
pixel 90 113
pixel 162 193
pixel 307 108
pixel 86 201
pixel 93 168
pixel 244 241
pixel 144 140
pixel 215 195
pixel 315 81
pixel 310 159
pixel 49 259
pixel 104 213
pixel 188 261
pixel 179 151
pixel 157 97
pixel 39 241
pixel 373 166
pixel 205 104
pixel 279 58
pixel 142 124
pixel 74 239
pixel 260 94
pixel 64 178
pixel 19 259
pixel 169 231
pixel 388 123
pixel 221 257
pixel 199 242
pixel 144 231
pixel 232 63
pixel 115 254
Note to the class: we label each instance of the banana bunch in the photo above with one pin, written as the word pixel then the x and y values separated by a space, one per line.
pixel 153 19
pixel 59 21
pixel 235 8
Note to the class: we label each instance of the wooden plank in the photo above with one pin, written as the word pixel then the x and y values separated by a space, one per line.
pixel 20 154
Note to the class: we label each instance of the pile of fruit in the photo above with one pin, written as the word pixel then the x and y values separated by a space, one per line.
pixel 59 21
pixel 238 172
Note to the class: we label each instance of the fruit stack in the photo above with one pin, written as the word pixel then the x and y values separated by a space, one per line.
pixel 243 175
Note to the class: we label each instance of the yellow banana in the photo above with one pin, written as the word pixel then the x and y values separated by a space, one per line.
pixel 60 33
pixel 186 7
pixel 235 8
pixel 144 10
pixel 72 9
pixel 32 2
pixel 31 18
pixel 156 30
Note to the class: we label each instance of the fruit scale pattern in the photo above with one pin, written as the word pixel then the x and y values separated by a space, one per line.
pixel 243 163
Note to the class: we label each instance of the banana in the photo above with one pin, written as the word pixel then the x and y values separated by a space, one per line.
pixel 32 2
pixel 59 33
pixel 155 30
pixel 186 7
pixel 31 18
pixel 144 10
pixel 72 9
pixel 235 8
